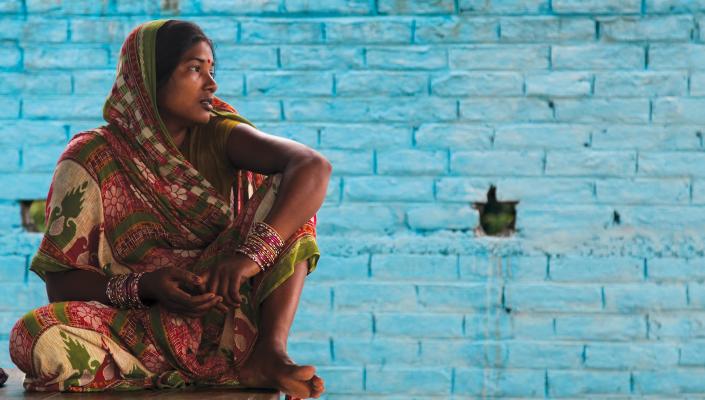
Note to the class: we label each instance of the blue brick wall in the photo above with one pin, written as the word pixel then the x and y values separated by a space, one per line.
pixel 589 113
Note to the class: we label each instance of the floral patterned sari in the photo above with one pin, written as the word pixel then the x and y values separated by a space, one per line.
pixel 124 199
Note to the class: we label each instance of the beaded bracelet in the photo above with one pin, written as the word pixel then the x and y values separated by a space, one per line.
pixel 263 245
pixel 123 290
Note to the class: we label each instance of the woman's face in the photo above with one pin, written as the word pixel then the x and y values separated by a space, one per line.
pixel 185 100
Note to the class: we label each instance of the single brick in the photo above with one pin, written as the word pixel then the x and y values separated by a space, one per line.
pixel 578 383
pixel 266 31
pixel 659 28
pixel 386 83
pixel 416 57
pixel 593 56
pixel 670 56
pixel 289 84
pixel 558 84
pixel 600 327
pixel 631 355
pixel 453 136
pixel 483 84
pixel 500 162
pixel 493 57
pixel 428 325
pixel 553 297
pixel 597 6
pixel 402 267
pixel 503 6
pixel 442 217
pixel 361 30
pixel 628 298
pixel 358 217
pixel 613 110
pixel 591 163
pixel 543 29
pixel 671 163
pixel 375 296
pixel 640 84
pixel 649 137
pixel 388 189
pixel 453 29
pixel 359 136
pixel 415 7
pixel 416 381
pixel 459 297
pixel 549 136
pixel 643 191
pixel 506 110
pixel 411 162
pixel 349 162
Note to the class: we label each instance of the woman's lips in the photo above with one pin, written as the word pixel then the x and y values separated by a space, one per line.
pixel 208 106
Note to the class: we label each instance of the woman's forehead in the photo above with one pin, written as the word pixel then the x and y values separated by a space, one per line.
pixel 201 51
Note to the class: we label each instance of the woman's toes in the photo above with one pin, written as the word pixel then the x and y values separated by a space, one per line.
pixel 301 372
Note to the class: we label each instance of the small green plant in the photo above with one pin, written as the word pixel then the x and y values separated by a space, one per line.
pixel 496 218
pixel 33 215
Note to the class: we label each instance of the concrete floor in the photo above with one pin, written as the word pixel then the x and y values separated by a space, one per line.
pixel 13 390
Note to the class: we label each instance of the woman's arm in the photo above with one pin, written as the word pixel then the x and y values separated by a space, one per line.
pixel 77 285
pixel 305 174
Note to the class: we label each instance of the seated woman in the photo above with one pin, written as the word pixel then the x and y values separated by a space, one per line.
pixel 179 237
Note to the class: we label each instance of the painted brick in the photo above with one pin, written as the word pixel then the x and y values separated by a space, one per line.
pixel 57 107
pixel 259 109
pixel 347 379
pixel 613 110
pixel 459 297
pixel 660 6
pixel 520 354
pixel 591 162
pixel 334 6
pixel 10 56
pixel 593 269
pixel 411 162
pixel 547 297
pixel 267 31
pixel 388 189
pixel 355 31
pixel 289 84
pixel 455 352
pixel 596 6
pixel 101 30
pixel 415 7
pixel 41 158
pixel 496 162
pixel 670 163
pixel 445 217
pixel 598 57
pixel 305 134
pixel 591 383
pixel 365 218
pixel 477 84
pixel 673 56
pixel 358 136
pixel 249 57
pixel 503 6
pixel 358 110
pixel 499 382
pixel 64 57
pixel 418 57
pixel 504 110
pixel 533 29
pixel 452 29
pixel 631 297
pixel 643 191
pixel 676 269
pixel 349 162
pixel 310 351
pixel 320 57
pixel 532 326
pixel 631 355
pixel 559 84
pixel 463 189
pixel 697 84
pixel 453 136
pixel 600 327
pixel 676 325
pixel 385 83
pixel 505 57
pixel 640 84
pixel 667 28
pixel 378 350
pixel 668 381
pixel 691 354
pixel 11 160
pixel 419 325
pixel 375 297
pixel 9 107
pixel 678 110
pixel 420 381
pixel 521 136
pixel 514 268
pixel 402 267
pixel 650 137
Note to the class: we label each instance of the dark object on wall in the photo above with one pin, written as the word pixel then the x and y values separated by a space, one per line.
pixel 496 218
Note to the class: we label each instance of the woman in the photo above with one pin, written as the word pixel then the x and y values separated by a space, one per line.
pixel 178 237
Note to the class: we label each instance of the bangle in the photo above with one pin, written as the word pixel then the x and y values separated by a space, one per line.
pixel 123 290
pixel 262 245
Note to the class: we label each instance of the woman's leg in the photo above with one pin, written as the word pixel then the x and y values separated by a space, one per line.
pixel 269 364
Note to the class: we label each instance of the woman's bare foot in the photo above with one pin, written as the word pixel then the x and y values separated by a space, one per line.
pixel 270 366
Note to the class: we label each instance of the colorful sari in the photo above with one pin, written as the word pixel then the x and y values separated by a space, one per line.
pixel 124 199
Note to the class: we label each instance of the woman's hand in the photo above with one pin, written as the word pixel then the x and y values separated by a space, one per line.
pixel 226 277
pixel 178 291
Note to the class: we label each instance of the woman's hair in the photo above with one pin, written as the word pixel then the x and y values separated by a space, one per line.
pixel 175 38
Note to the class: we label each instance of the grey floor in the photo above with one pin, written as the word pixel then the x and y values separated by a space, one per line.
pixel 13 390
